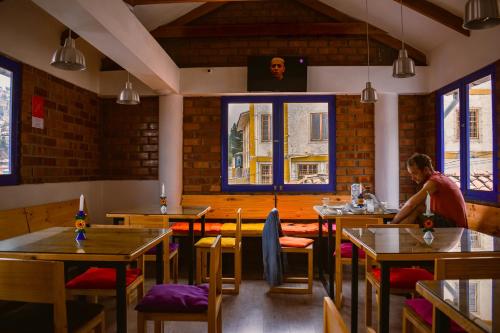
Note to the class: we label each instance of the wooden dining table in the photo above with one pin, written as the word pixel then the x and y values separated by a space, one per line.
pixel 104 247
pixel 473 304
pixel 404 247
pixel 329 215
pixel 187 213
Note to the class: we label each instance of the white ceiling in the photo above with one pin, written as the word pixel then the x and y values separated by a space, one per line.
pixel 420 32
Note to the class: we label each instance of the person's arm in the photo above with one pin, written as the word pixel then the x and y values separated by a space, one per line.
pixel 414 202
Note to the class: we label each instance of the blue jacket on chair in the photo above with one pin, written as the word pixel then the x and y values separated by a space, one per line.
pixel 271 249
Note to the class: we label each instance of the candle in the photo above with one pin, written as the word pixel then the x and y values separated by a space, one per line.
pixel 162 190
pixel 428 204
pixel 81 203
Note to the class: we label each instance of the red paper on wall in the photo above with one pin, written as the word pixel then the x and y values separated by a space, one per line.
pixel 37 103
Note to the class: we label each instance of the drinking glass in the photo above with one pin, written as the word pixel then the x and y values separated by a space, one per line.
pixel 325 201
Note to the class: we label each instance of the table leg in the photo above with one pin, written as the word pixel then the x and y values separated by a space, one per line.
pixel 383 320
pixel 331 264
pixel 121 299
pixel 354 289
pixel 320 247
pixel 159 263
pixel 203 226
pixel 191 256
pixel 442 321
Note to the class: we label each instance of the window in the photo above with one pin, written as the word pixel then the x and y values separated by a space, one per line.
pixel 319 126
pixel 467 140
pixel 265 128
pixel 266 144
pixel 10 83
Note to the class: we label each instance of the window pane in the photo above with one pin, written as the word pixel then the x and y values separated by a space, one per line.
pixel 480 135
pixel 451 134
pixel 305 157
pixel 5 121
pixel 249 158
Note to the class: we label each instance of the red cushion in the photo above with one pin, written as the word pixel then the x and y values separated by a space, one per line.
pixel 405 278
pixel 183 227
pixel 303 228
pixel 295 241
pixel 101 278
pixel 346 251
pixel 423 308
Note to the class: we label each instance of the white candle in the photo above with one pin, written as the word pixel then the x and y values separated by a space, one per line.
pixel 81 203
pixel 428 204
pixel 162 190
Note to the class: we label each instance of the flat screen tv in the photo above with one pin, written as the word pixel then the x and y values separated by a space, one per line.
pixel 277 73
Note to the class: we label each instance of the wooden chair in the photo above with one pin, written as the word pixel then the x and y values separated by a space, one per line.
pixel 341 260
pixel 372 282
pixel 464 268
pixel 229 245
pixel 169 296
pixel 332 319
pixel 144 221
pixel 90 283
pixel 41 285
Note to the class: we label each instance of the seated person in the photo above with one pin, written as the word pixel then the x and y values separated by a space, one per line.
pixel 447 202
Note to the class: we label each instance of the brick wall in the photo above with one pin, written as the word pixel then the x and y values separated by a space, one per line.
pixel 68 148
pixel 202 170
pixel 320 50
pixel 130 139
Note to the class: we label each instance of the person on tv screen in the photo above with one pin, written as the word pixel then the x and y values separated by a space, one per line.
pixel 277 68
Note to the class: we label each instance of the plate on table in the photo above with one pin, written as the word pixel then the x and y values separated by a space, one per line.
pixel 336 206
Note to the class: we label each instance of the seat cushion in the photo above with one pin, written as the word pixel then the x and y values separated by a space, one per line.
pixel 423 308
pixel 31 317
pixel 346 251
pixel 405 278
pixel 101 278
pixel 175 298
pixel 301 228
pixel 172 247
pixel 208 241
pixel 183 227
pixel 295 241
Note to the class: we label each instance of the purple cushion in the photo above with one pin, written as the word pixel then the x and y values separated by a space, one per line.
pixel 423 308
pixel 346 251
pixel 175 298
pixel 171 247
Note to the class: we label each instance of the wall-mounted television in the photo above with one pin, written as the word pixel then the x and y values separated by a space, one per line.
pixel 277 73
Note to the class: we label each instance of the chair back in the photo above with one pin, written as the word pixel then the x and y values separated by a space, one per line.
pixel 467 268
pixel 332 320
pixel 271 249
pixel 237 235
pixel 35 281
pixel 215 273
pixel 354 222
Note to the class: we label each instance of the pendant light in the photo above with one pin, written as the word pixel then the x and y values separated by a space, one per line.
pixel 128 95
pixel 481 14
pixel 369 94
pixel 68 57
pixel 403 66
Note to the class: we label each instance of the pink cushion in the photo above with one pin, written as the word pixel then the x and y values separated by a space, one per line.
pixel 405 278
pixel 346 251
pixel 423 308
pixel 101 278
pixel 175 298
pixel 171 247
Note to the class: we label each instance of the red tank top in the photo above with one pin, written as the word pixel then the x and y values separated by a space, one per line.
pixel 448 201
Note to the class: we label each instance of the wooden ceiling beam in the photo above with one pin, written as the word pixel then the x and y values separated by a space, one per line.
pixel 437 14
pixel 385 39
pixel 280 29
pixel 155 2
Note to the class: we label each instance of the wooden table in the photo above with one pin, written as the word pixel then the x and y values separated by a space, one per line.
pixel 472 304
pixel 189 213
pixel 392 247
pixel 329 216
pixel 105 247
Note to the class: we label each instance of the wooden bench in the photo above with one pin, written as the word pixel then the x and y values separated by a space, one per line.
pixel 13 223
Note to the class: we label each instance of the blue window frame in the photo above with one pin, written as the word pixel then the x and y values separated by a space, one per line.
pixel 10 98
pixel 467 138
pixel 290 160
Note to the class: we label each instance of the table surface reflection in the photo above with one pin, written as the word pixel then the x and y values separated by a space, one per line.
pixel 400 243
pixel 191 212
pixel 473 302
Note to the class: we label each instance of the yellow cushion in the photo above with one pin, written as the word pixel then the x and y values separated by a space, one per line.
pixel 228 227
pixel 208 241
pixel 252 227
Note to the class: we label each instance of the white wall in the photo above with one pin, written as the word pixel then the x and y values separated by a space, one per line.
pixel 462 55
pixel 30 35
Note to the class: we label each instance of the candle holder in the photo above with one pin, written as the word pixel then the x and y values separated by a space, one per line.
pixel 80 226
pixel 163 204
